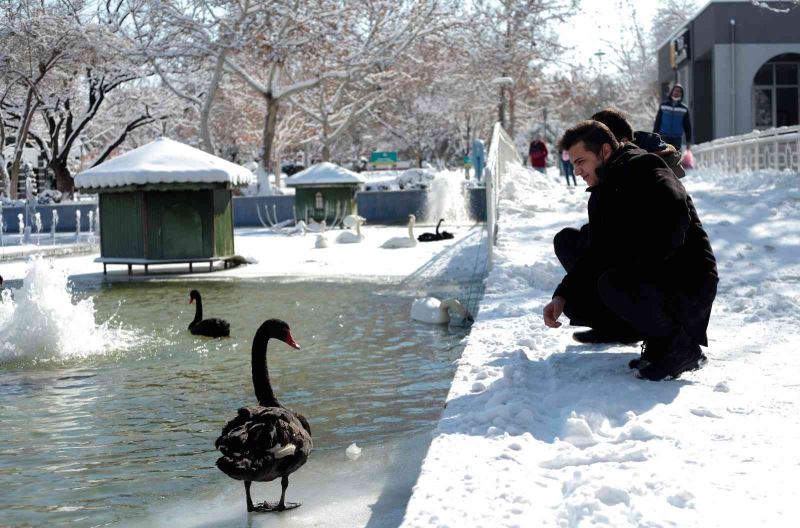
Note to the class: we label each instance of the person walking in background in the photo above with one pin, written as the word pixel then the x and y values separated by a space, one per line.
pixel 537 152
pixel 673 120
pixel 566 166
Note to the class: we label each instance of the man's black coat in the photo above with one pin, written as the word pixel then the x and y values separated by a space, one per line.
pixel 644 227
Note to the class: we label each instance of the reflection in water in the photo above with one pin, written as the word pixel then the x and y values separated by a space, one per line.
pixel 106 437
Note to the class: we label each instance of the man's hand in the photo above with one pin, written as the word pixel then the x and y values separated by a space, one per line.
pixel 553 311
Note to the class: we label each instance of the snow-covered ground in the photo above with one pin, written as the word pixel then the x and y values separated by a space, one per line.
pixel 280 255
pixel 541 431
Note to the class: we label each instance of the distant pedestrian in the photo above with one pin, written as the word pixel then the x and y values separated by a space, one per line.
pixel 673 120
pixel 537 152
pixel 567 168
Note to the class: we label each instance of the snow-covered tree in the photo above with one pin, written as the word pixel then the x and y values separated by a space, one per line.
pixel 669 16
pixel 42 42
pixel 514 39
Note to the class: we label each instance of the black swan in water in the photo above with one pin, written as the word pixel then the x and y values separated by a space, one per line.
pixel 433 237
pixel 266 441
pixel 206 327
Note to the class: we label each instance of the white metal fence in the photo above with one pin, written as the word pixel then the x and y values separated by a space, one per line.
pixel 776 148
pixel 501 152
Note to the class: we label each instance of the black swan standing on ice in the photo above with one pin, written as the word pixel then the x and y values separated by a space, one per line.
pixel 266 441
pixel 433 237
pixel 206 327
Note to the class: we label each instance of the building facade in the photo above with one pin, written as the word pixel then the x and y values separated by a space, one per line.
pixel 740 67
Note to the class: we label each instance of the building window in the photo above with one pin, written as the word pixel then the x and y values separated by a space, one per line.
pixel 776 92
pixel 319 203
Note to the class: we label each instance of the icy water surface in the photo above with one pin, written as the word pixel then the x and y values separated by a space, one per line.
pixel 120 434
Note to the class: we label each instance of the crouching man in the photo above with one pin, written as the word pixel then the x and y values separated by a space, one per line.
pixel 647 271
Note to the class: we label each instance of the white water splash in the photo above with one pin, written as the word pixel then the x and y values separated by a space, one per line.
pixel 447 199
pixel 40 321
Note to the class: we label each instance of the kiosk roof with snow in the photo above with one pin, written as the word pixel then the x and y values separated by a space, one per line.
pixel 162 162
pixel 165 202
pixel 325 190
pixel 325 174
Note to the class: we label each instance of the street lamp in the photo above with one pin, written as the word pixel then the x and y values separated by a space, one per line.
pixel 601 91
pixel 502 82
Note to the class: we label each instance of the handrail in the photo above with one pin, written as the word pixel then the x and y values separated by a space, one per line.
pixel 775 149
pixel 501 152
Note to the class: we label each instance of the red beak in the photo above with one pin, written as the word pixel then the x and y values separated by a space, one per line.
pixel 191 301
pixel 290 341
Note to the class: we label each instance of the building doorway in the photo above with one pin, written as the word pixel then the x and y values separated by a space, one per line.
pixel 776 92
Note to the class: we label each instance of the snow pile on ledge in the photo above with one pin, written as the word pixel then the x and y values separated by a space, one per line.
pixel 163 161
pixel 541 431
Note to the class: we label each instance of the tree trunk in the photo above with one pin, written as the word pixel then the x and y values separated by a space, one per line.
pixel 512 117
pixel 4 180
pixel 205 111
pixel 326 148
pixel 22 138
pixel 65 183
pixel 268 137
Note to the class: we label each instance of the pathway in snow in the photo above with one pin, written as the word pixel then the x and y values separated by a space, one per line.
pixel 542 431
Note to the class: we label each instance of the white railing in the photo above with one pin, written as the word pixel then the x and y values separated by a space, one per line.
pixel 776 148
pixel 501 152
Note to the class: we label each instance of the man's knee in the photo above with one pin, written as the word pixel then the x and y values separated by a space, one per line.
pixel 568 247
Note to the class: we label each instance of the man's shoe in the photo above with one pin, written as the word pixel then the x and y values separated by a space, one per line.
pixel 594 336
pixel 653 350
pixel 682 356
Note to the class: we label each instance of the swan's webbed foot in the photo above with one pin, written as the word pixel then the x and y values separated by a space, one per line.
pixel 274 507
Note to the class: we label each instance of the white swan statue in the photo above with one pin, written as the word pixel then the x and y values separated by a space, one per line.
pixel 322 238
pixel 298 229
pixel 348 237
pixel 403 242
pixel 314 226
pixel 433 311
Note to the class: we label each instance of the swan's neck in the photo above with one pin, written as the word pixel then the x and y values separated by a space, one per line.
pixel 261 382
pixel 411 230
pixel 437 227
pixel 358 229
pixel 198 311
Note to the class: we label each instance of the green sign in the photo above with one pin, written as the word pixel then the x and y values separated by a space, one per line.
pixel 467 162
pixel 383 158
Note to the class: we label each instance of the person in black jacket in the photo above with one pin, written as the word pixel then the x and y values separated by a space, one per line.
pixel 648 270
pixel 571 243
pixel 673 119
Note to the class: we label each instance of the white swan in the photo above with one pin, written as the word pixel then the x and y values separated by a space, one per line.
pixel 403 242
pixel 350 221
pixel 432 310
pixel 348 237
pixel 322 238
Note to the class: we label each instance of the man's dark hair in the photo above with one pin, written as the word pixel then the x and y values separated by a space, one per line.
pixel 616 122
pixel 594 135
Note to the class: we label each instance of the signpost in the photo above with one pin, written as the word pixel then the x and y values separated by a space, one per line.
pixel 383 160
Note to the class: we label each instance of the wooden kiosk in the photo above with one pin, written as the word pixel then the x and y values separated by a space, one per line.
pixel 165 203
pixel 319 188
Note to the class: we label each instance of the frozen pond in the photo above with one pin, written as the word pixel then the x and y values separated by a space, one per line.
pixel 126 434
